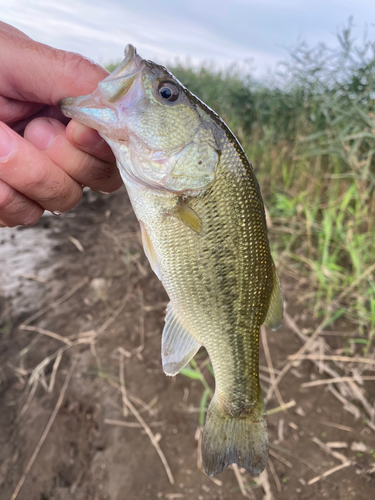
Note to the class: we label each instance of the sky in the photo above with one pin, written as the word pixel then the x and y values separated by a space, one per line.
pixel 220 32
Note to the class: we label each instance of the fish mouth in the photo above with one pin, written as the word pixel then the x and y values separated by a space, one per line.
pixel 99 110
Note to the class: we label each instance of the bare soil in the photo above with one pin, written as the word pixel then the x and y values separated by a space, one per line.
pixel 86 456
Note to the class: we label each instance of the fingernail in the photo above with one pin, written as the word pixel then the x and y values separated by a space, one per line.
pixel 41 134
pixel 87 137
pixel 7 144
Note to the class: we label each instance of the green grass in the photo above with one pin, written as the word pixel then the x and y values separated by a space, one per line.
pixel 193 372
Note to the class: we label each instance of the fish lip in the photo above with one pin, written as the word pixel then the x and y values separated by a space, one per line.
pixel 81 102
pixel 98 110
pixel 120 81
pixel 126 67
pixel 88 110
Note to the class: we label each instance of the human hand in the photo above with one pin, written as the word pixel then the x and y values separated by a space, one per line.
pixel 46 168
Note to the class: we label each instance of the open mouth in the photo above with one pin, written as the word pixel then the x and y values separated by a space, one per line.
pixel 118 92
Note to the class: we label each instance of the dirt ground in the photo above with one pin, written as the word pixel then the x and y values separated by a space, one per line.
pixel 100 309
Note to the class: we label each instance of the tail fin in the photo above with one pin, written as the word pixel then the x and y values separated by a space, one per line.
pixel 242 440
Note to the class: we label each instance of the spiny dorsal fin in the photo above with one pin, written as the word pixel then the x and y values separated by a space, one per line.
pixel 178 346
pixel 149 250
pixel 274 318
pixel 188 216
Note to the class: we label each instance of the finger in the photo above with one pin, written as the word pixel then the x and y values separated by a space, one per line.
pixel 46 111
pixel 32 173
pixel 87 139
pixel 84 168
pixel 12 111
pixel 34 72
pixel 11 30
pixel 16 209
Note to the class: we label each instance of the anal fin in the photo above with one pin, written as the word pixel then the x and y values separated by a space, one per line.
pixel 274 318
pixel 178 346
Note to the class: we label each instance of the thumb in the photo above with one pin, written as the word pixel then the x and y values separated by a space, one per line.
pixel 34 72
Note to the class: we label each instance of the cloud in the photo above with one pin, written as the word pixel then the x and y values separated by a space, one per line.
pixel 219 31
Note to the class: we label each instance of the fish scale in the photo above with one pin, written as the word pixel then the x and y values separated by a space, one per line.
pixel 204 232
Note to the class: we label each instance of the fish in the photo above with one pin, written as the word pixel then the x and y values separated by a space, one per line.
pixel 203 228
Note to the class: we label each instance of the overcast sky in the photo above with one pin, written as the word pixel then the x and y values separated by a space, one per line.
pixel 219 31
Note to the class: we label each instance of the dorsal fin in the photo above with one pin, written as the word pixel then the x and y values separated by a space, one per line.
pixel 178 346
pixel 274 318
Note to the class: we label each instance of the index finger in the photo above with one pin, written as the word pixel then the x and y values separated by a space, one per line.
pixel 34 72
pixel 33 174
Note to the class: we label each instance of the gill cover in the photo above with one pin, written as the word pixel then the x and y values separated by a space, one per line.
pixel 153 126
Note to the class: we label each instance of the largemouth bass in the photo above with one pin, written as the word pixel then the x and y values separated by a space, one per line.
pixel 204 232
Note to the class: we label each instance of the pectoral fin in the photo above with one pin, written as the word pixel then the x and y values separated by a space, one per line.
pixel 188 216
pixel 178 346
pixel 274 318
pixel 150 251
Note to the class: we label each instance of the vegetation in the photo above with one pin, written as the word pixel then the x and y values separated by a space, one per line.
pixel 310 135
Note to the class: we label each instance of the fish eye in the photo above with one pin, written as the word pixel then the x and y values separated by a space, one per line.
pixel 168 91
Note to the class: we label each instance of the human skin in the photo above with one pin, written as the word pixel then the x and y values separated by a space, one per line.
pixel 44 160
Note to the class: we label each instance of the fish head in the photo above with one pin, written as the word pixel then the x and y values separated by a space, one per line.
pixel 160 133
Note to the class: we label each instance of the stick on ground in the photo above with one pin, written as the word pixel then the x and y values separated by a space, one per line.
pixel 153 439
pixel 329 472
pixel 246 492
pixel 274 474
pixel 46 431
pixel 282 408
pixel 55 303
pixel 263 334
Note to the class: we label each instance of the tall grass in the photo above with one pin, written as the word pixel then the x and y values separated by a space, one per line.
pixel 310 135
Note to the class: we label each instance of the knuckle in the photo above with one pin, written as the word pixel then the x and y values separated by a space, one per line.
pixel 5 223
pixel 62 196
pixel 7 195
pixel 15 209
pixel 72 63
pixel 37 176
pixel 84 71
pixel 99 174
pixel 52 188
pixel 99 170
pixel 115 184
pixel 73 198
pixel 89 170
pixel 33 217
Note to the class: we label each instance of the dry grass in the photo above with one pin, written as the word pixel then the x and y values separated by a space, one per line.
pixel 46 430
